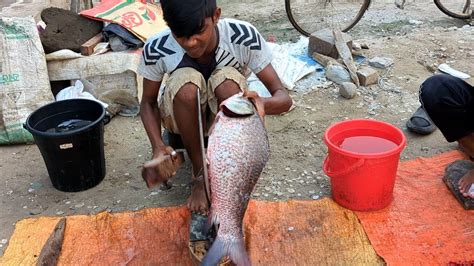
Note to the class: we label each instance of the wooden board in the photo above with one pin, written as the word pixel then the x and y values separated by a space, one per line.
pixel 88 47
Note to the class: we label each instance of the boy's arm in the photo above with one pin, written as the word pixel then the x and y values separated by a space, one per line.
pixel 150 115
pixel 280 101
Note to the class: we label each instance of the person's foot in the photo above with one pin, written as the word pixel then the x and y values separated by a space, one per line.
pixel 465 184
pixel 197 201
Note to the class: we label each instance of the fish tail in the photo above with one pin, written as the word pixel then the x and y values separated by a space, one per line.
pixel 219 249
pixel 238 253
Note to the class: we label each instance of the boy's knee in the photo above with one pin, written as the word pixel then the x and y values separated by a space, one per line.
pixel 183 85
pixel 226 89
pixel 432 89
pixel 447 91
pixel 226 82
pixel 186 95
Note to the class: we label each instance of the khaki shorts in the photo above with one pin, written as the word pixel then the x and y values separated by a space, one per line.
pixel 209 106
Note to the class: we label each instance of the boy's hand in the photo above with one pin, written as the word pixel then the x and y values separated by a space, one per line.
pixel 162 151
pixel 162 167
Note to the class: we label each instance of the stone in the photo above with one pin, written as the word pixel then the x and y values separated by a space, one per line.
pixel 381 62
pixel 337 74
pixel 348 90
pixel 36 211
pixel 356 46
pixel 367 76
pixel 323 42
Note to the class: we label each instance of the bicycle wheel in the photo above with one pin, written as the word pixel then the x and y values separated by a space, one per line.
pixel 308 16
pixel 455 8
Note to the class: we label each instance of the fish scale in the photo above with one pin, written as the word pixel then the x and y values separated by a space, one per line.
pixel 237 153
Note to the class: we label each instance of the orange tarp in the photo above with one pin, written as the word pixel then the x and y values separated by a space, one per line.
pixel 277 233
pixel 425 224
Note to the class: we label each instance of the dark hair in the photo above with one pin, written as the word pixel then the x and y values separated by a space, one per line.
pixel 187 17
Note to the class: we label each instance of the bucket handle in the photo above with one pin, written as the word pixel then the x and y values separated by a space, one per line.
pixel 346 171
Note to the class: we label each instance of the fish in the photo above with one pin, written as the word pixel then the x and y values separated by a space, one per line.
pixel 238 150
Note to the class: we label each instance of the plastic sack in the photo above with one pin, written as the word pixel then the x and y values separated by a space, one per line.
pixel 24 83
pixel 77 92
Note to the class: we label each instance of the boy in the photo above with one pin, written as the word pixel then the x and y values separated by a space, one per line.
pixel 201 52
pixel 449 102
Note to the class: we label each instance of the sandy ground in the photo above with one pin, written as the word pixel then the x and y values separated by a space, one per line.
pixel 416 37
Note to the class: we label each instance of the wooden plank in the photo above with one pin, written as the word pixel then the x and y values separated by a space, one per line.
pixel 88 47
pixel 52 248
pixel 324 60
pixel 346 56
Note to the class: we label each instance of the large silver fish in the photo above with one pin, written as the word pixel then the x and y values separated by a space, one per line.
pixel 237 153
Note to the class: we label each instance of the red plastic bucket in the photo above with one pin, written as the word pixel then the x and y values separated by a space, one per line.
pixel 362 181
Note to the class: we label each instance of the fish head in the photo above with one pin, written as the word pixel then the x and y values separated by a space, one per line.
pixel 243 104
pixel 237 105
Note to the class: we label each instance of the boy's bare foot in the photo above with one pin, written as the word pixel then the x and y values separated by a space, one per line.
pixel 465 184
pixel 197 201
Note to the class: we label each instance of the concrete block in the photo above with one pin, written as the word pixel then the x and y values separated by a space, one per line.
pixel 322 42
pixel 367 76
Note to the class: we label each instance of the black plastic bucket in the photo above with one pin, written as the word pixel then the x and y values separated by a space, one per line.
pixel 70 137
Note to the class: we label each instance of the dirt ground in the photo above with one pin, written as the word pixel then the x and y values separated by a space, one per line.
pixel 415 38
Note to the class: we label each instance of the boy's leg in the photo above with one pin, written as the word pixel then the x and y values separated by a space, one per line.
pixel 449 102
pixel 179 111
pixel 223 83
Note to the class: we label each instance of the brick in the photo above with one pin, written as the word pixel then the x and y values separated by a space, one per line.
pixel 322 42
pixel 367 76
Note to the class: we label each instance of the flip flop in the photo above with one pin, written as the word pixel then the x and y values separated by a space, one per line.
pixel 453 173
pixel 427 126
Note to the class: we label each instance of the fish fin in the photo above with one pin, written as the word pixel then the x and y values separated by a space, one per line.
pixel 214 255
pixel 256 101
pixel 211 220
pixel 209 223
pixel 235 250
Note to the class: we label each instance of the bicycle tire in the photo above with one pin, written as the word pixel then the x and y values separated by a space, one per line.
pixel 346 26
pixel 465 14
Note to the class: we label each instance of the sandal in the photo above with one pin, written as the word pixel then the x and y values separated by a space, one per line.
pixel 420 123
pixel 453 173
